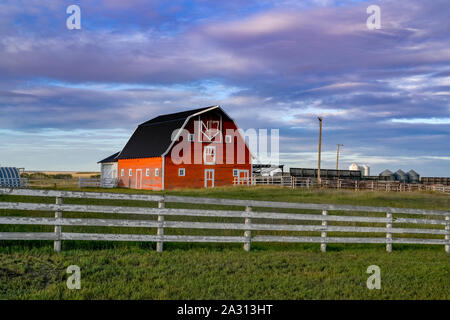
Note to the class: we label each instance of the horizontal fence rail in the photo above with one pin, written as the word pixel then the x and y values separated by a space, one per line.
pixel 436 218
pixel 97 182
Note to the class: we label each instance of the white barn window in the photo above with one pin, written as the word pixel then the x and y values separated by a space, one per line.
pixel 130 172
pixel 209 155
pixel 156 172
pixel 181 172
pixel 147 172
pixel 191 137
pixel 228 139
pixel 122 172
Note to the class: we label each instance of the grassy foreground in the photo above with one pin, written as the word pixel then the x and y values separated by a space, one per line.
pixel 112 270
pixel 224 274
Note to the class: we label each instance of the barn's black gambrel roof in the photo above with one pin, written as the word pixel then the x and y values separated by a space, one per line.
pixel 153 137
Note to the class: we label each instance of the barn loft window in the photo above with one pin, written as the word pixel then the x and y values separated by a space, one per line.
pixel 157 172
pixel 191 137
pixel 130 172
pixel 235 172
pixel 122 172
pixel 181 172
pixel 209 155
pixel 147 172
pixel 228 139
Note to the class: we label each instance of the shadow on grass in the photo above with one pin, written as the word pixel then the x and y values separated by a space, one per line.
pixel 47 246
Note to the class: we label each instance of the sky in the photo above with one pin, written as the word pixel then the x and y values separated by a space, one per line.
pixel 69 98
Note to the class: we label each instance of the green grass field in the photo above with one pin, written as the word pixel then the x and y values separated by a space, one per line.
pixel 119 270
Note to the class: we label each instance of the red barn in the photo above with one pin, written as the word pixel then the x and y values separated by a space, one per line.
pixel 199 148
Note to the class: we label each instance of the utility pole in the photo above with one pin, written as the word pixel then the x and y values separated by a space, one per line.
pixel 337 160
pixel 337 157
pixel 319 179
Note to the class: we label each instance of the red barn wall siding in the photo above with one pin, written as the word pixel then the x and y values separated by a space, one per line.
pixel 151 182
pixel 195 174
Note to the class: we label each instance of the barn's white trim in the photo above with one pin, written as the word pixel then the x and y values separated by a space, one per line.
pixel 201 133
pixel 163 173
pixel 184 125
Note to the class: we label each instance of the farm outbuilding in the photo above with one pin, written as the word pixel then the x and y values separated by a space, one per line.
pixel 325 173
pixel 199 148
pixel 10 177
pixel 108 171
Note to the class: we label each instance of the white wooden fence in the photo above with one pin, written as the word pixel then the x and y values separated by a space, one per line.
pixel 436 222
pixel 97 182
pixel 373 185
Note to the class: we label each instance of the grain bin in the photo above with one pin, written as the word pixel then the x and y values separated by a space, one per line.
pixel 413 177
pixel 401 176
pixel 387 175
pixel 365 170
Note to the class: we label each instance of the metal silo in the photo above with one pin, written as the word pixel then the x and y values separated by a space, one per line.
pixel 365 169
pixel 401 176
pixel 387 175
pixel 413 177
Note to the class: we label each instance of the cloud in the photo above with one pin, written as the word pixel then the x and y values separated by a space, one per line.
pixel 383 93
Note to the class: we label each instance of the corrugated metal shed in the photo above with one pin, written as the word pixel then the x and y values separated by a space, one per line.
pixel 9 177
pixel 325 173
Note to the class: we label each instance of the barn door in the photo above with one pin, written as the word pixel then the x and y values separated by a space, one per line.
pixel 107 171
pixel 209 178
pixel 243 177
pixel 139 179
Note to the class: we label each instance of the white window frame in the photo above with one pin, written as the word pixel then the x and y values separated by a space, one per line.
pixel 130 172
pixel 205 154
pixel 191 137
pixel 228 138
pixel 245 179
pixel 147 172
pixel 235 173
pixel 181 172
pixel 138 181
pixel 213 174
pixel 122 172
pixel 157 172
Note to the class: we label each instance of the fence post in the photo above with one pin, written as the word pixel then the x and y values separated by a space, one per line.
pixel 58 215
pixel 323 235
pixel 247 233
pixel 160 232
pixel 388 234
pixel 447 236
